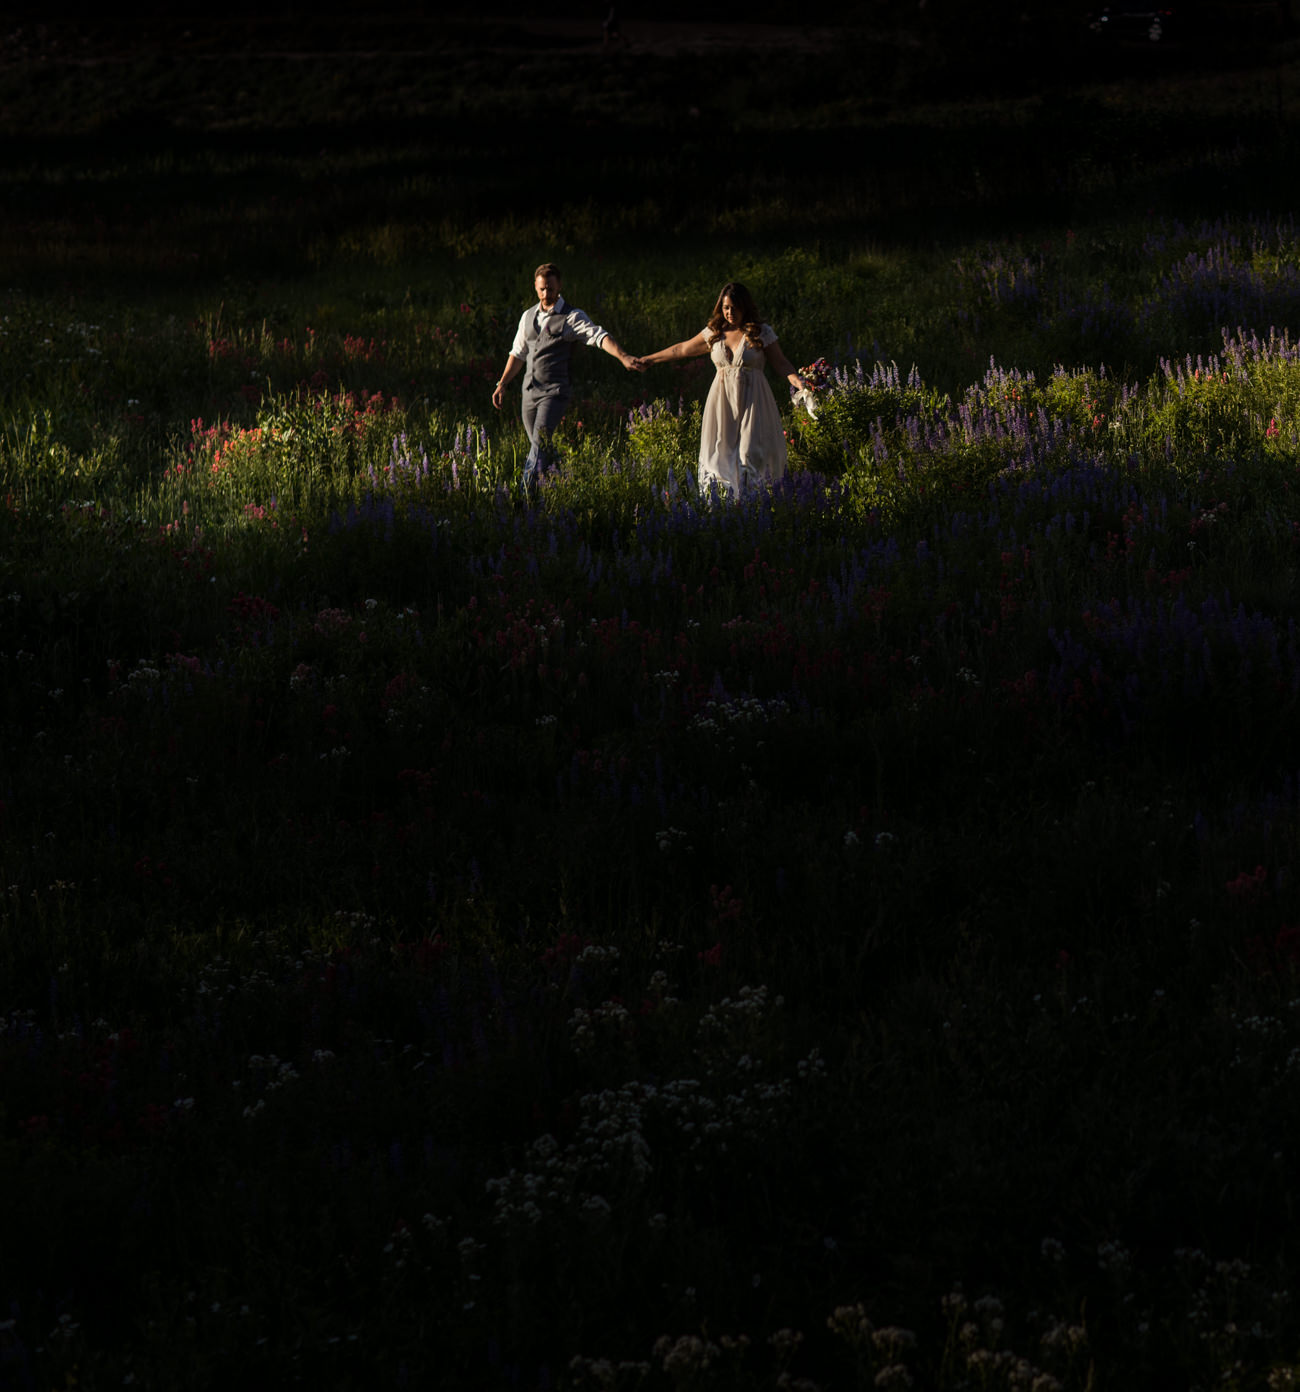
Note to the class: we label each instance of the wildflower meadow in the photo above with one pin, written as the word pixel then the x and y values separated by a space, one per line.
pixel 619 938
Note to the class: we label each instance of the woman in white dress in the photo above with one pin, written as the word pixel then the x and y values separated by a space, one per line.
pixel 742 440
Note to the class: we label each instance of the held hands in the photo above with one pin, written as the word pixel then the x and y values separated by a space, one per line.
pixel 634 364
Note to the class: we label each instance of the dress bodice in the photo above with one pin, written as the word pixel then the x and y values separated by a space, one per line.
pixel 749 357
pixel 745 356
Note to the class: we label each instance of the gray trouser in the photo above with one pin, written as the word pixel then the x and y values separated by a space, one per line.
pixel 541 415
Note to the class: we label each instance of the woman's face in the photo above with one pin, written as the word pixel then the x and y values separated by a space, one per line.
pixel 731 313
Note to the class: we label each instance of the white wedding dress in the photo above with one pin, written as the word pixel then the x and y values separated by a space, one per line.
pixel 742 440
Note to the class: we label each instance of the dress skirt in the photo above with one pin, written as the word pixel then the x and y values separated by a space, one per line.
pixel 742 438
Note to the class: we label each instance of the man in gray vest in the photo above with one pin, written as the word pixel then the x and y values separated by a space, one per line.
pixel 542 349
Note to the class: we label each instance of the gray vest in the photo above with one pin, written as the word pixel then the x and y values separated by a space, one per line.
pixel 548 356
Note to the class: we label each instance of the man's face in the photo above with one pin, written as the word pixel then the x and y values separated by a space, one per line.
pixel 548 288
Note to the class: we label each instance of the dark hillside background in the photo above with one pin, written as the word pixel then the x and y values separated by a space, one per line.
pixel 898 119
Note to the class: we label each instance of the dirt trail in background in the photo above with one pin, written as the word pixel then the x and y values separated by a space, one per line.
pixel 669 38
pixel 68 44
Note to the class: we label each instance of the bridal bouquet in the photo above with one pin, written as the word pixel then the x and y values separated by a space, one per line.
pixel 815 378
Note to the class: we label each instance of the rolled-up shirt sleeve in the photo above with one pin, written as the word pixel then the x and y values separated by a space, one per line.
pixel 519 348
pixel 578 325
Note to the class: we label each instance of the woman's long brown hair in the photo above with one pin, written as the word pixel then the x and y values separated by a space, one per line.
pixel 750 319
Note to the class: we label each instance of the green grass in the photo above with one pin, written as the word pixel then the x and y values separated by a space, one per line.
pixel 844 939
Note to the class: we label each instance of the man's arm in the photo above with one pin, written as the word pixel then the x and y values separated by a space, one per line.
pixel 632 364
pixel 578 324
pixel 514 366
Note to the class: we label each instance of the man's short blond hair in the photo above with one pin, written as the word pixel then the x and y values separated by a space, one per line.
pixel 548 268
